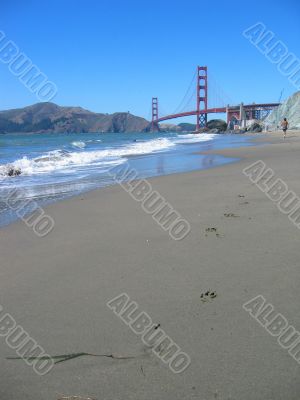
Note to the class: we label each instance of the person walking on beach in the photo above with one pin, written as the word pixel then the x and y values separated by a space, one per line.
pixel 284 125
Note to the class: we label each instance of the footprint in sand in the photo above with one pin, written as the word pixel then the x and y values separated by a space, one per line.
pixel 208 296
pixel 244 202
pixel 213 230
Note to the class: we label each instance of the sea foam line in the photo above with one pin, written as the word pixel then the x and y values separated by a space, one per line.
pixel 60 159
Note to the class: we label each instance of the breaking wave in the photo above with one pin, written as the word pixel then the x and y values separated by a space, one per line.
pixel 61 159
pixel 80 144
pixel 194 138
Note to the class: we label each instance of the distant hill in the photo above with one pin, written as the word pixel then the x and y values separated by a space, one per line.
pixel 186 127
pixel 183 127
pixel 289 109
pixel 216 125
pixel 49 117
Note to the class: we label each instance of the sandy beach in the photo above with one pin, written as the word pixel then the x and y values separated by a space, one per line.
pixel 104 244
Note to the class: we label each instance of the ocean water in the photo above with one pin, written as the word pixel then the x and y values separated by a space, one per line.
pixel 57 166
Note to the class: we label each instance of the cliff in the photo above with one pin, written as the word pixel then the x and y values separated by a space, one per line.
pixel 289 109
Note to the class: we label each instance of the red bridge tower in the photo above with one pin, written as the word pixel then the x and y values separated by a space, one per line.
pixel 154 113
pixel 201 97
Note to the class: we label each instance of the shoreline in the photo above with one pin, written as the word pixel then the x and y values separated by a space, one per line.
pixel 11 219
pixel 104 244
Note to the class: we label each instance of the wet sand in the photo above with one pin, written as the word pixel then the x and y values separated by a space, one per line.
pixel 103 244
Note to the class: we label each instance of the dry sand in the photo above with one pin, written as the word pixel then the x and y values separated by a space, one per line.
pixel 103 244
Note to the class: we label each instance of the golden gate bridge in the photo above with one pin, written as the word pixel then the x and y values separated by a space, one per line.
pixel 236 114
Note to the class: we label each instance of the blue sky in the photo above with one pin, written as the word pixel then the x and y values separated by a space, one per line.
pixel 110 56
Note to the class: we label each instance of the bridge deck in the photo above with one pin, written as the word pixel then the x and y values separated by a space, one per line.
pixel 219 110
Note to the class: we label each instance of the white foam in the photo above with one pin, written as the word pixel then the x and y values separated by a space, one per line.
pixel 194 137
pixel 58 159
pixel 80 144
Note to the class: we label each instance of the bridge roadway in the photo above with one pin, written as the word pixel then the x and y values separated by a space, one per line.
pixel 246 107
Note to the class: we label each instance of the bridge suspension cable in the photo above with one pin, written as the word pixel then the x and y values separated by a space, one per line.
pixel 217 96
pixel 190 103
pixel 188 94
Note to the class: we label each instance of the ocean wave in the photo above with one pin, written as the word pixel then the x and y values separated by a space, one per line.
pixel 194 138
pixel 62 160
pixel 80 144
